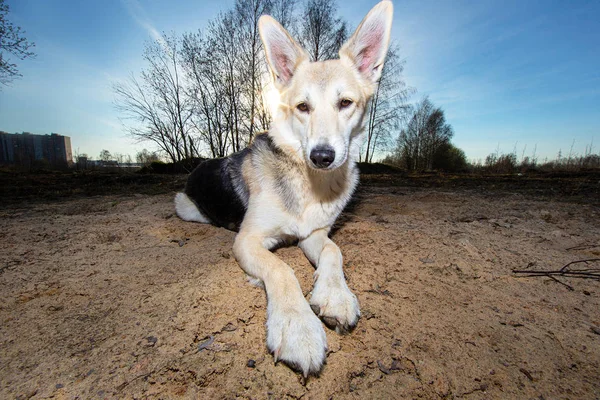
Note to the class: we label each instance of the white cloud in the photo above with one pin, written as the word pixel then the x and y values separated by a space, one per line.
pixel 137 12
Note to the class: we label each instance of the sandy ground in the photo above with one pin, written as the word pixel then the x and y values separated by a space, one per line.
pixel 115 297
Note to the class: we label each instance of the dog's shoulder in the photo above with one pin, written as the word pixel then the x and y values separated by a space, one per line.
pixel 263 145
pixel 275 173
pixel 271 160
pixel 262 139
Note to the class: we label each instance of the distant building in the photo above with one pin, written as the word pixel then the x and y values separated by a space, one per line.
pixel 26 148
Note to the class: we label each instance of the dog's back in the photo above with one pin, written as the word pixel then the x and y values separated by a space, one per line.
pixel 216 191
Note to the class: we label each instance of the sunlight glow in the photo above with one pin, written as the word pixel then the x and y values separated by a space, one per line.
pixel 271 98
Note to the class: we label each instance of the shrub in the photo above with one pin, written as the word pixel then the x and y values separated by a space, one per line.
pixel 449 158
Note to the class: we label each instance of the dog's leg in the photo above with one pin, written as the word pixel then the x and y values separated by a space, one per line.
pixel 294 334
pixel 331 299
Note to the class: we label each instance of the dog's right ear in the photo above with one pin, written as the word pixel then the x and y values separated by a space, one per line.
pixel 283 53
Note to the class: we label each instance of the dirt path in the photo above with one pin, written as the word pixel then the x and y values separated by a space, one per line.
pixel 114 297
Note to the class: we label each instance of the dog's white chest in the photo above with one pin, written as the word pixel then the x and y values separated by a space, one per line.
pixel 298 204
pixel 316 216
pixel 318 211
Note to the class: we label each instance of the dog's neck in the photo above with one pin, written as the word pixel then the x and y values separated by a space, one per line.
pixel 330 185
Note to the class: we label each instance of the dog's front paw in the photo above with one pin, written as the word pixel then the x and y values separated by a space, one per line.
pixel 333 302
pixel 296 336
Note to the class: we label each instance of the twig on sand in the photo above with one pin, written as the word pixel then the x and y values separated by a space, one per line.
pixel 584 246
pixel 127 383
pixel 567 271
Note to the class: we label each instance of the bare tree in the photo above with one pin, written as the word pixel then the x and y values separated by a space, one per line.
pixel 145 157
pixel 137 104
pixel 322 33
pixel 283 11
pixel 226 74
pixel 437 133
pixel 223 39
pixel 12 43
pixel 252 66
pixel 158 106
pixel 212 61
pixel 206 92
pixel 425 132
pixel 81 159
pixel 119 158
pixel 388 108
pixel 105 155
pixel 164 78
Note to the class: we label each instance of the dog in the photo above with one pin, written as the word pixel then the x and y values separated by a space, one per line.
pixel 294 181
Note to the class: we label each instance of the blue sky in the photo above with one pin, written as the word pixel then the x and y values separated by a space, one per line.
pixel 524 73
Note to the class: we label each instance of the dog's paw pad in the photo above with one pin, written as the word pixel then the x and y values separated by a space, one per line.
pixel 331 322
pixel 316 309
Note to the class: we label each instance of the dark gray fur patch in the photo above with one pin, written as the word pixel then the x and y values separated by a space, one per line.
pixel 287 194
pixel 280 165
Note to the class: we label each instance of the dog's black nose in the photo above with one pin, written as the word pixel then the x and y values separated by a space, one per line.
pixel 322 156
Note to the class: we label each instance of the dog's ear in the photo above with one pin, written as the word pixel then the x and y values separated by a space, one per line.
pixel 283 53
pixel 368 46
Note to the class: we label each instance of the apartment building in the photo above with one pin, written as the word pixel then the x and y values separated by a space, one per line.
pixel 27 148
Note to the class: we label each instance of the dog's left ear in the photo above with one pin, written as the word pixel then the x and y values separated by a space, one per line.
pixel 368 46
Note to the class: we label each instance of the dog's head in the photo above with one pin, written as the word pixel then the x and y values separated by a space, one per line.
pixel 321 105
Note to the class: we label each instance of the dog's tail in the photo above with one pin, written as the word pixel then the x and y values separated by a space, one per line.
pixel 187 210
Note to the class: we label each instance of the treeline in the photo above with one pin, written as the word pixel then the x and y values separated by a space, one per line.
pixel 424 144
pixel 508 163
pixel 206 93
pixel 143 157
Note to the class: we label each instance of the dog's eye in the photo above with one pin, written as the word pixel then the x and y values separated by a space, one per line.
pixel 345 103
pixel 303 107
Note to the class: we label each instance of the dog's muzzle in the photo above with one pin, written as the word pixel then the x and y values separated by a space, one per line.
pixel 322 156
